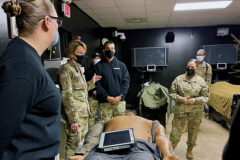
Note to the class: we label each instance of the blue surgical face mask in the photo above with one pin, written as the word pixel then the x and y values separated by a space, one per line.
pixel 96 61
pixel 200 58
pixel 56 39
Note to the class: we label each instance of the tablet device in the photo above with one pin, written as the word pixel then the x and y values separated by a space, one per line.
pixel 116 140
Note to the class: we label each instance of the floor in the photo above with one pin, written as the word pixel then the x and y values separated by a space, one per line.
pixel 211 140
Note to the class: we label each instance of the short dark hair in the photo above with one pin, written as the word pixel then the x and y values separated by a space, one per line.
pixel 96 55
pixel 202 50
pixel 108 42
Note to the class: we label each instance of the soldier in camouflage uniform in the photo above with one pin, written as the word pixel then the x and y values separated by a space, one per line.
pixel 190 93
pixel 204 69
pixel 75 96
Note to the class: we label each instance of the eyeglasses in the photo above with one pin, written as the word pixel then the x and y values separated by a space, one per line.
pixel 59 20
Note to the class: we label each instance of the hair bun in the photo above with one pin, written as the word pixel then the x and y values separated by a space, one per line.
pixel 11 9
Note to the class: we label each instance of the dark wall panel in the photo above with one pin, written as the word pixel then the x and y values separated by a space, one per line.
pixel 180 51
pixel 3 29
pixel 82 25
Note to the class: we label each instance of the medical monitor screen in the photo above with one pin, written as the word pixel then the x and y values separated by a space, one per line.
pixel 141 57
pixel 221 53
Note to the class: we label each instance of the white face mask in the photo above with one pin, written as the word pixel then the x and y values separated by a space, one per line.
pixel 200 58
pixel 96 61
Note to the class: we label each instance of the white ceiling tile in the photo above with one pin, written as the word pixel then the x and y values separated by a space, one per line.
pixel 89 12
pixel 113 18
pixel 97 19
pixel 159 14
pixel 161 8
pixel 123 28
pixel 236 21
pixel 204 16
pixel 227 17
pixel 114 21
pixel 183 14
pixel 128 3
pixel 133 9
pixel 202 22
pixel 230 12
pixel 234 4
pixel 117 24
pixel 135 15
pixel 138 25
pixel 103 25
pixel 159 2
pixel 159 25
pixel 101 22
pixel 192 1
pixel 107 16
pixel 81 4
pixel 109 10
pixel 180 19
pixel 157 20
pixel 100 3
pixel 217 22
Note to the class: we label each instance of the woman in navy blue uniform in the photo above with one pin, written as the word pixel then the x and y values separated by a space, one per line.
pixel 29 100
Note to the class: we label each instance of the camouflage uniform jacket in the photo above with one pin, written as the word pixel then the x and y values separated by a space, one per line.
pixel 205 71
pixel 195 88
pixel 74 92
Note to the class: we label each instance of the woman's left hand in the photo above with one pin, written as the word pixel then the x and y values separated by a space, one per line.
pixel 192 100
pixel 96 78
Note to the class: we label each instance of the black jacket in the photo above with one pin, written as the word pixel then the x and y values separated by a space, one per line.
pixel 29 106
pixel 115 79
pixel 90 72
pixel 231 150
pixel 88 75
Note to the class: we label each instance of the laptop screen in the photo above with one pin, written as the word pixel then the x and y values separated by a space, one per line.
pixel 117 138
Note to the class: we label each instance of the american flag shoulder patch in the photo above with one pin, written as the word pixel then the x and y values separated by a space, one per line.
pixel 63 75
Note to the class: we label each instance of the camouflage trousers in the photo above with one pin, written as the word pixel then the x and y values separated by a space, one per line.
pixel 107 111
pixel 93 104
pixel 193 120
pixel 73 138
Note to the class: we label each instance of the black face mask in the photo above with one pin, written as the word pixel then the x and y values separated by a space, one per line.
pixel 109 54
pixel 190 72
pixel 80 58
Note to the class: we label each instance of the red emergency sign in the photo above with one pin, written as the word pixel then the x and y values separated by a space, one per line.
pixel 67 10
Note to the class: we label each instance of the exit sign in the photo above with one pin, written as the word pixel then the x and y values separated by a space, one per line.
pixel 66 9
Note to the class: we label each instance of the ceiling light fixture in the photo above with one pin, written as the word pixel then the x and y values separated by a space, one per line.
pixel 201 5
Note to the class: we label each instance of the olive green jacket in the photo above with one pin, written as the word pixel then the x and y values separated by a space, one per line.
pixel 154 96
